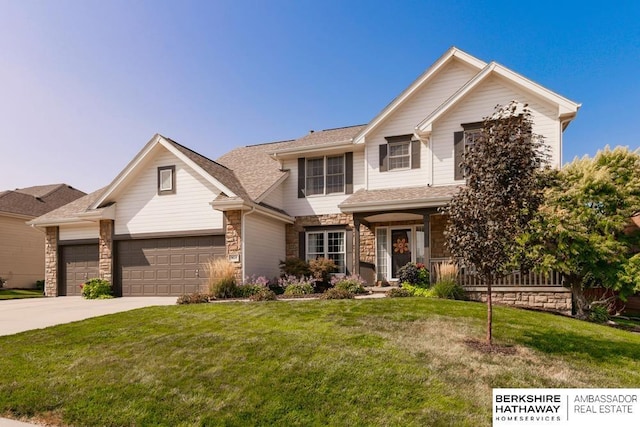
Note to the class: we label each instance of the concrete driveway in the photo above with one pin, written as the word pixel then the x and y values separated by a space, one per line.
pixel 35 313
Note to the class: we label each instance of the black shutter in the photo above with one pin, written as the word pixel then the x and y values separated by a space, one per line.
pixel 301 177
pixel 415 154
pixel 348 173
pixel 302 245
pixel 458 152
pixel 384 161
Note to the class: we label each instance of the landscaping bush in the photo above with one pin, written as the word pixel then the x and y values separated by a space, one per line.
pixel 414 274
pixel 40 285
pixel 295 267
pixel 397 293
pixel 447 285
pixel 448 289
pixel 97 289
pixel 297 286
pixel 352 283
pixel 194 298
pixel 417 291
pixel 263 294
pixel 321 269
pixel 221 278
pixel 251 286
pixel 2 282
pixel 337 293
pixel 599 314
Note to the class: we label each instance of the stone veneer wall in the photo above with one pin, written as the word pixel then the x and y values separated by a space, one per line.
pixel 301 222
pixel 367 245
pixel 438 225
pixel 556 298
pixel 51 262
pixel 233 240
pixel 105 250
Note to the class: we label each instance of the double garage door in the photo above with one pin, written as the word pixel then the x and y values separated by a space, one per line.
pixel 149 267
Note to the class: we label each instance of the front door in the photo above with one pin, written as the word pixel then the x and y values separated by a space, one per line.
pixel 400 249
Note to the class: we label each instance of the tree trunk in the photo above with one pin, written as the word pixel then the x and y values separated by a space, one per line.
pixel 489 314
pixel 581 304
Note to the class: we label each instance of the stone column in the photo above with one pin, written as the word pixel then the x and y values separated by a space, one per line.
pixel 51 262
pixel 233 241
pixel 105 248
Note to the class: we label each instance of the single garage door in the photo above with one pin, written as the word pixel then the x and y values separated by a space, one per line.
pixel 79 263
pixel 171 266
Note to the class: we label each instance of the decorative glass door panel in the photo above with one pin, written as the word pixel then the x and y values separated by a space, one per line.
pixel 400 249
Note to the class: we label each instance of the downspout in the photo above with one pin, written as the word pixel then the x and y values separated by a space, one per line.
pixel 244 237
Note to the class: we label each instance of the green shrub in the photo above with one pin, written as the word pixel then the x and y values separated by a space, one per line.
pixel 40 285
pixel 264 294
pixel 337 293
pixel 296 286
pixel 321 269
pixel 194 298
pixel 417 291
pixel 599 313
pixel 251 286
pixel 224 288
pixel 448 289
pixel 397 293
pixel 353 283
pixel 414 274
pixel 97 289
pixel 2 282
pixel 294 267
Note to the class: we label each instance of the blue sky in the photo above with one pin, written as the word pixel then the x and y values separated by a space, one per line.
pixel 85 84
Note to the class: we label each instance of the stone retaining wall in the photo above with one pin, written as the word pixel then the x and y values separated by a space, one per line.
pixel 548 298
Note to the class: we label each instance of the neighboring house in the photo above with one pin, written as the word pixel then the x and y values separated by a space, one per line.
pixel 365 196
pixel 22 246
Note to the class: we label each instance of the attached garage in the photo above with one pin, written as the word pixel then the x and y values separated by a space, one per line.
pixel 79 263
pixel 165 267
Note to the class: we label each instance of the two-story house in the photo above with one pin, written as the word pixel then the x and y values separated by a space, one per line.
pixel 366 196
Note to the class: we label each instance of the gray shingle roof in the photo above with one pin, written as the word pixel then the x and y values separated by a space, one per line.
pixel 37 200
pixel 258 172
pixel 71 210
pixel 396 195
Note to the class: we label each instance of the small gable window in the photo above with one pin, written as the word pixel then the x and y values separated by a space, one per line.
pixel 166 180
pixel 399 153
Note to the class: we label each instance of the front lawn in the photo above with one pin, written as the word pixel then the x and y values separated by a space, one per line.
pixel 20 293
pixel 343 362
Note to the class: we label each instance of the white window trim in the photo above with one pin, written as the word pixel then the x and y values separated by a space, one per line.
pixel 324 175
pixel 326 252
pixel 409 148
pixel 171 189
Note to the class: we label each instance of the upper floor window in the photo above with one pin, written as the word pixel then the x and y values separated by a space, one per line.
pixel 166 180
pixel 325 175
pixel 400 152
pixel 471 135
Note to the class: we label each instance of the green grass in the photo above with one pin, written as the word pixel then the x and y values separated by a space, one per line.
pixel 385 362
pixel 20 293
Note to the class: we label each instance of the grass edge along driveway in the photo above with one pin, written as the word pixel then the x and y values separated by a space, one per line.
pixel 366 362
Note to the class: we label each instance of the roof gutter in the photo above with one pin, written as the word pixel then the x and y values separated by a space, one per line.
pixel 287 152
pixel 394 205
pixel 241 205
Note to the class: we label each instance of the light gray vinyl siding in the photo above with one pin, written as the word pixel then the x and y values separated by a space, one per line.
pixel 139 208
pixel 90 230
pixel 264 245
pixel 320 204
pixel 474 107
pixel 403 122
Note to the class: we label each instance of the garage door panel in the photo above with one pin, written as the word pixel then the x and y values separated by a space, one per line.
pixel 79 263
pixel 167 266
